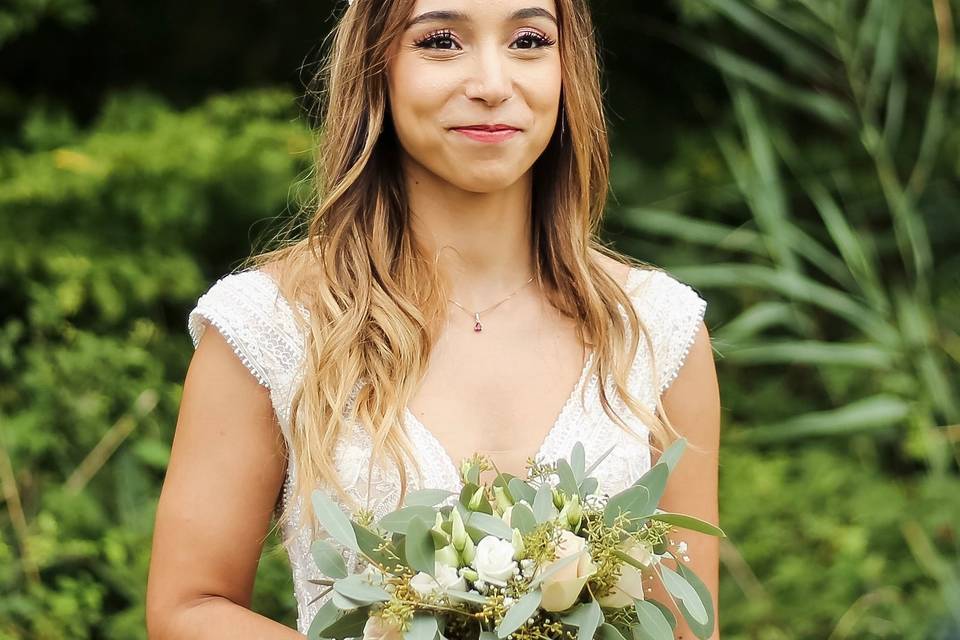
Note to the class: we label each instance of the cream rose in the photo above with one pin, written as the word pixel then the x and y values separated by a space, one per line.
pixel 561 589
pixel 447 578
pixel 629 586
pixel 494 560
pixel 378 629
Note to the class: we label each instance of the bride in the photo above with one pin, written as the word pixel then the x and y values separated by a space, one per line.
pixel 447 295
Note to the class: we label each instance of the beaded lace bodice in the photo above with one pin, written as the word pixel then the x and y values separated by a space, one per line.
pixel 248 310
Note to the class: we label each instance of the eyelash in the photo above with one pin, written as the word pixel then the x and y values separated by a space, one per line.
pixel 445 34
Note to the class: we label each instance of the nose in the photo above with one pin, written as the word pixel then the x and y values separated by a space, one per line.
pixel 491 80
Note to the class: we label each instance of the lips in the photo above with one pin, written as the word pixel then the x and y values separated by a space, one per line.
pixel 488 127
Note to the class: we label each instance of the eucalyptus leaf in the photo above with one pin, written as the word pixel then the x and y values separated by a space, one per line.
pixel 655 480
pixel 398 521
pixel 466 596
pixel 599 460
pixel 689 522
pixel 346 604
pixel 632 500
pixel 568 480
pixel 522 518
pixel 543 508
pixel 578 461
pixel 592 617
pixel 334 520
pixel 682 590
pixel 518 613
pixel 427 497
pixel 588 487
pixel 325 616
pixel 609 632
pixel 491 525
pixel 671 455
pixel 358 589
pixel 370 542
pixel 520 490
pixel 328 559
pixel 418 545
pixel 652 621
pixel 349 625
pixel 671 619
pixel 704 631
pixel 423 626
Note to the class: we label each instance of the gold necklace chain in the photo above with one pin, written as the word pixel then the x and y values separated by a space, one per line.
pixel 476 314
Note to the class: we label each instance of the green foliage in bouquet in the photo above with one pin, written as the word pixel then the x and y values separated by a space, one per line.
pixel 544 557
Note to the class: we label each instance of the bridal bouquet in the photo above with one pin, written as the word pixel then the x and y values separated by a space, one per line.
pixel 525 559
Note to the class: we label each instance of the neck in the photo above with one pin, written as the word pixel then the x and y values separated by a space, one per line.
pixel 481 241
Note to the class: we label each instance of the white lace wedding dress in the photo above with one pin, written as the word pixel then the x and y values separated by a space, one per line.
pixel 247 308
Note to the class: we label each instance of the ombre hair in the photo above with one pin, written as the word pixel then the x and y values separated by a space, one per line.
pixel 376 302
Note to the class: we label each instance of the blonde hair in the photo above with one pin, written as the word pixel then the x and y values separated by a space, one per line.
pixel 374 298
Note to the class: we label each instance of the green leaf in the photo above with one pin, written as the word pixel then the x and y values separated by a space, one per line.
pixel 490 525
pixel 671 455
pixel 349 625
pixel 578 461
pixel 689 522
pixel 588 487
pixel 704 631
pixel 358 589
pixel 334 520
pixel 522 518
pixel 466 596
pixel 520 490
pixel 326 615
pixel 592 617
pixel 427 497
pixel 369 541
pixel 655 480
pixel 518 613
pixel 568 481
pixel 682 590
pixel 346 604
pixel 609 632
pixel 652 621
pixel 423 626
pixel 633 500
pixel 671 619
pixel 328 559
pixel 543 508
pixel 398 521
pixel 599 460
pixel 418 545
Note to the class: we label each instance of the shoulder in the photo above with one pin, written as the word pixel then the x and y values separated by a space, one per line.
pixel 673 313
pixel 248 309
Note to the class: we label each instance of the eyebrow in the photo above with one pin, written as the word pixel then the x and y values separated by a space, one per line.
pixel 459 16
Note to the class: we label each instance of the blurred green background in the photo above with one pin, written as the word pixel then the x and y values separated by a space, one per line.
pixel 796 161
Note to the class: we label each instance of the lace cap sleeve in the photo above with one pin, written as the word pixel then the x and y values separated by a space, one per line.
pixel 247 309
pixel 674 311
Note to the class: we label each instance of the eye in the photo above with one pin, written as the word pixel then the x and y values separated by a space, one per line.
pixel 435 38
pixel 534 38
pixel 439 40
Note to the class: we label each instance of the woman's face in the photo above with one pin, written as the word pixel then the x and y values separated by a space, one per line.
pixel 462 63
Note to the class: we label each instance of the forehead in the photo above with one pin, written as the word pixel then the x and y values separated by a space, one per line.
pixel 482 10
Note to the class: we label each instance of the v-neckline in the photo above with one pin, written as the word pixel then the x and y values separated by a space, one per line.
pixel 451 464
pixel 448 461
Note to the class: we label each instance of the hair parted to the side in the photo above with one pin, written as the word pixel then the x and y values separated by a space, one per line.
pixel 376 301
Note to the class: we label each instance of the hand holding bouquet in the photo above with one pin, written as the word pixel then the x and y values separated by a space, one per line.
pixel 545 557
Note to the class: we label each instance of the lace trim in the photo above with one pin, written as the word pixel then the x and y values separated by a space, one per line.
pixel 196 327
pixel 688 337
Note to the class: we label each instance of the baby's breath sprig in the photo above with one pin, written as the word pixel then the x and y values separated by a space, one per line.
pixel 364 517
pixel 540 470
pixel 543 627
pixel 603 542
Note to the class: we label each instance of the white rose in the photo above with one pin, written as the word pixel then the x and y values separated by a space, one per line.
pixel 494 560
pixel 447 578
